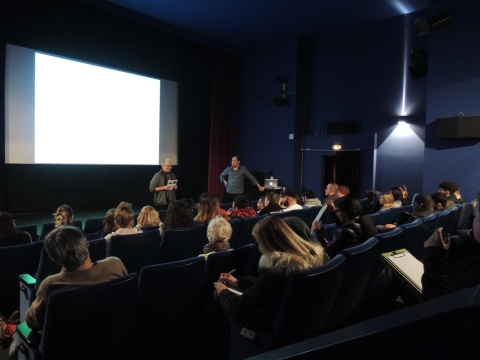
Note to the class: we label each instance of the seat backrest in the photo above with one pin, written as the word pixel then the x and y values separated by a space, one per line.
pixel 387 241
pixel 359 264
pixel 89 320
pixel 184 243
pixel 235 224
pixel 452 220
pixel 375 218
pixel 464 219
pixel 245 236
pixel 47 227
pixel 239 259
pixel 304 214
pixel 169 292
pixel 393 214
pixel 383 216
pixel 31 229
pixel 307 301
pixel 93 225
pixel 136 250
pixel 443 220
pixel 16 260
pixel 412 240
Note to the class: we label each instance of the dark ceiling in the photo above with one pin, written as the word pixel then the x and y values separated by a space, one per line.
pixel 234 25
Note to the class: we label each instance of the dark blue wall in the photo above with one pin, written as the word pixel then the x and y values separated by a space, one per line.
pixel 363 76
pixel 454 87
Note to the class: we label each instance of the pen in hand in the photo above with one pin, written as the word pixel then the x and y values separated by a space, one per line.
pixel 231 272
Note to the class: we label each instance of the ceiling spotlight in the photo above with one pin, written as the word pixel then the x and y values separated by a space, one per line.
pixel 337 147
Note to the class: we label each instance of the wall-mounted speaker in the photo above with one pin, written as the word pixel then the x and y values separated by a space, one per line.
pixel 458 127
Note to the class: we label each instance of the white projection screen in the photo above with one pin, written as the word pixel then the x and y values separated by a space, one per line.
pixel 64 111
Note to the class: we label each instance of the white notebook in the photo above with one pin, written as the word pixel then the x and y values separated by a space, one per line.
pixel 406 265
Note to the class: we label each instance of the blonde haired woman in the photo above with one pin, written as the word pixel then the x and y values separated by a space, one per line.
pixel 283 253
pixel 386 201
pixel 148 219
pixel 63 215
pixel 124 219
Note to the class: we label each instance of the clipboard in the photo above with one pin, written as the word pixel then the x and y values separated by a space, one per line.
pixel 405 265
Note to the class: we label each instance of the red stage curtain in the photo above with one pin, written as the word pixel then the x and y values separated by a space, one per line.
pixel 224 112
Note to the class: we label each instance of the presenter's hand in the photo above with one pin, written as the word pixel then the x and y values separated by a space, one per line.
pixel 175 187
pixel 261 188
pixel 225 183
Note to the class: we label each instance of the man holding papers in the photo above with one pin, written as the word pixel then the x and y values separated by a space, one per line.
pixel 163 185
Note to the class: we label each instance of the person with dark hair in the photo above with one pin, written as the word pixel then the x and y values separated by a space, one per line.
pixel 163 193
pixel 405 197
pixel 310 199
pixel 108 222
pixel 63 215
pixel 9 234
pixel 439 201
pixel 260 203
pixel 422 207
pixel 353 226
pixel 449 188
pixel 283 253
pixel 179 215
pixel 190 203
pixel 233 178
pixel 241 208
pixel 289 199
pixel 271 203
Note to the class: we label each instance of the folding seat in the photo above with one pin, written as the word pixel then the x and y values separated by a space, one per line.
pixel 88 322
pixel 136 250
pixel 16 260
pixel 308 299
pixel 360 261
pixel 184 243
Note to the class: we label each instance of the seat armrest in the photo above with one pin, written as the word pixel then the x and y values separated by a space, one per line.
pixel 29 342
pixel 27 293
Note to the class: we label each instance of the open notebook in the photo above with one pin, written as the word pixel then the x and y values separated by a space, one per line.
pixel 407 266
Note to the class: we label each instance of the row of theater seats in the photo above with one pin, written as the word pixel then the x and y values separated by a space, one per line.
pixel 163 310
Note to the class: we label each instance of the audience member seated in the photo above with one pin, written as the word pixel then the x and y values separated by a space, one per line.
pixel 283 253
pixel 67 247
pixel 241 208
pixel 109 222
pixel 260 203
pixel 178 216
pixel 422 207
pixel 63 215
pixel 190 203
pixel 124 219
pixel 386 200
pixel 148 219
pixel 353 227
pixel 209 208
pixel 449 188
pixel 448 266
pixel 271 203
pixel 219 232
pixel 405 197
pixel 290 200
pixel 397 194
pixel 440 202
pixel 9 234
pixel 331 192
pixel 310 199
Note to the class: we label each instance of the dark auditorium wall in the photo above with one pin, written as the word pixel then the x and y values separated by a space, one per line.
pixel 454 87
pixel 355 76
pixel 77 30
